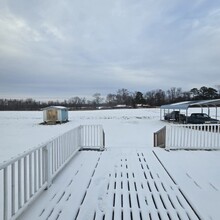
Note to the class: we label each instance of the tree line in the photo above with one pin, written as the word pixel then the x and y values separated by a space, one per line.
pixel 122 98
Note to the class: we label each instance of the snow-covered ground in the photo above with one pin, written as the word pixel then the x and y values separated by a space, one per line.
pixel 21 131
pixel 196 173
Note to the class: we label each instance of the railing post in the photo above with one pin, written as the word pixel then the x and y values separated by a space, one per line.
pixel 5 193
pixel 19 185
pixel 167 137
pixel 13 189
pixel 80 136
pixel 103 139
pixel 155 139
pixel 46 165
pixel 25 179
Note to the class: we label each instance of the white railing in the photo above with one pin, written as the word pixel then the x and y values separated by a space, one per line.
pixel 190 136
pixel 23 178
pixel 92 137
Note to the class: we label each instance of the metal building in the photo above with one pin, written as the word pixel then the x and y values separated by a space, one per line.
pixel 213 103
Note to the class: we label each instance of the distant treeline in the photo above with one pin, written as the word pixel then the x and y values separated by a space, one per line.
pixel 123 98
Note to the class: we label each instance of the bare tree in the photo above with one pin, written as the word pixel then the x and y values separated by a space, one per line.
pixel 111 99
pixel 76 102
pixel 218 87
pixel 97 98
pixel 124 97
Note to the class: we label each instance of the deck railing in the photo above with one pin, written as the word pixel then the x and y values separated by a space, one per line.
pixel 92 136
pixel 190 136
pixel 23 178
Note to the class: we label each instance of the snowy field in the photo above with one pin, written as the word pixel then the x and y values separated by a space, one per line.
pixel 196 173
pixel 21 131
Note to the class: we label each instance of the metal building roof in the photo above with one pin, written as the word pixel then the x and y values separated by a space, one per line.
pixel 187 104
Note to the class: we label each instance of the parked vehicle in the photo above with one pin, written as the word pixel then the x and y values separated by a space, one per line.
pixel 201 118
pixel 175 116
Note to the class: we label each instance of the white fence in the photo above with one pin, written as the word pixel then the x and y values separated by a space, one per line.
pixel 92 136
pixel 190 136
pixel 23 178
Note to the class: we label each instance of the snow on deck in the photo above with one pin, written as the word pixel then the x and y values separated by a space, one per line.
pixel 197 174
pixel 115 184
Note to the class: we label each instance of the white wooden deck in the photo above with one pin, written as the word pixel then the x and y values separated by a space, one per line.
pixel 118 183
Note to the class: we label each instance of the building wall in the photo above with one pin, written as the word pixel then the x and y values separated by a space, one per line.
pixel 64 114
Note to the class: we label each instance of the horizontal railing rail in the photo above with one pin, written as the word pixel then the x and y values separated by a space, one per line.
pixel 23 178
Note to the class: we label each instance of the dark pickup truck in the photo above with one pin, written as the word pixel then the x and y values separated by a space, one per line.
pixel 200 118
pixel 194 118
pixel 172 115
pixel 175 116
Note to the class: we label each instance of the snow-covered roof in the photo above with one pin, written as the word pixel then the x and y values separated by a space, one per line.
pixel 198 103
pixel 55 107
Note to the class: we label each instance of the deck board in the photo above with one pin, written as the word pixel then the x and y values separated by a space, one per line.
pixel 114 184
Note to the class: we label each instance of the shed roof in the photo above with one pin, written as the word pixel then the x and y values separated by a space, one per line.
pixel 187 104
pixel 55 107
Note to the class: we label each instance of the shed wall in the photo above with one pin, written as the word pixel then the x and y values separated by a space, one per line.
pixel 64 115
pixel 54 115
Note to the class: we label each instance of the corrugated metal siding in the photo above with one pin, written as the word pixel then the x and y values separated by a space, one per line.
pixel 59 118
pixel 64 114
pixel 44 115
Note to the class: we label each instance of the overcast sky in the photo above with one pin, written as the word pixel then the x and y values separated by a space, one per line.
pixel 66 48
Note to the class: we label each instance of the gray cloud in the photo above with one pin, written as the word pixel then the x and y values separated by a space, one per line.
pixel 73 48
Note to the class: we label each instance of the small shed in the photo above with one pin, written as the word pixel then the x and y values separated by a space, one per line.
pixel 55 114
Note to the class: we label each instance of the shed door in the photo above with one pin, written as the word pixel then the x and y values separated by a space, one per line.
pixel 52 115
